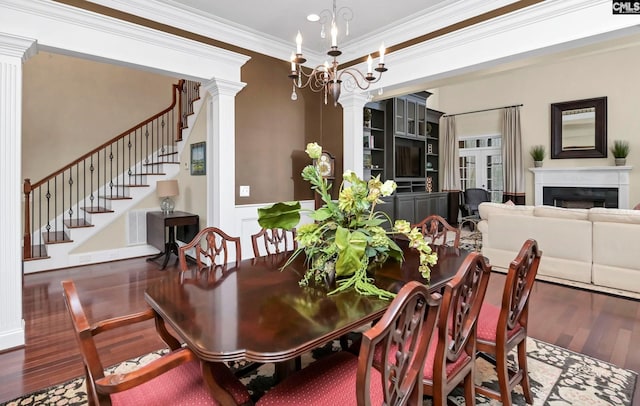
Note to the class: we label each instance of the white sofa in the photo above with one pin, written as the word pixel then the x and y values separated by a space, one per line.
pixel 588 248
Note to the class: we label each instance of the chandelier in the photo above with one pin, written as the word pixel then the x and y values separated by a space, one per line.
pixel 327 78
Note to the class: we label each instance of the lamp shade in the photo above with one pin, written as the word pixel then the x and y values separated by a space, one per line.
pixel 167 188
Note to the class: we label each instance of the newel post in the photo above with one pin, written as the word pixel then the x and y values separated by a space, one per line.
pixel 26 249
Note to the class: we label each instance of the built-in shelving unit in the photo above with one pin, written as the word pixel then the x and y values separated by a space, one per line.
pixel 401 142
pixel 433 149
pixel 374 141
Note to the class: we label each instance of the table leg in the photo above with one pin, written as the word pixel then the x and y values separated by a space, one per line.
pixel 211 372
pixel 169 247
pixel 286 368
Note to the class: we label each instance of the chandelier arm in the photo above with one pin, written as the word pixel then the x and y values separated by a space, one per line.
pixel 357 75
pixel 315 79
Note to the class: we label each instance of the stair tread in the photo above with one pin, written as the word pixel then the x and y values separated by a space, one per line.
pixel 148 173
pixel 55 237
pixel 97 209
pixel 133 185
pixel 77 223
pixel 38 252
pixel 161 163
pixel 116 197
pixel 169 153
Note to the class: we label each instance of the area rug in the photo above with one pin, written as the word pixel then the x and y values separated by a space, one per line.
pixel 558 377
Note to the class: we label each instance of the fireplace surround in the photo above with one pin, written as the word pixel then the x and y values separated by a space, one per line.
pixel 595 184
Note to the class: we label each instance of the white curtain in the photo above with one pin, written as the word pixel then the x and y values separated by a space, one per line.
pixel 513 166
pixel 449 153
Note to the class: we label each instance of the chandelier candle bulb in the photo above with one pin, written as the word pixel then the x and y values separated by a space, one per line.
pixel 382 54
pixel 369 65
pixel 334 35
pixel 299 43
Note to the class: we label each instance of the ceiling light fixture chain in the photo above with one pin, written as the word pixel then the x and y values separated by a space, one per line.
pixel 327 78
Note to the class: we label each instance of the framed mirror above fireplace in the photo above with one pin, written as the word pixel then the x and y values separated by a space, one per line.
pixel 579 129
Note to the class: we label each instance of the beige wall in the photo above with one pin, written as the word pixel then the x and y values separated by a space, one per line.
pixel 73 105
pixel 608 74
pixel 271 130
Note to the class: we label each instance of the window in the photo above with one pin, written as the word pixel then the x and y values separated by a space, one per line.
pixel 481 164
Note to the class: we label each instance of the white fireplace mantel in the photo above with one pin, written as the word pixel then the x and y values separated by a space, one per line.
pixel 585 176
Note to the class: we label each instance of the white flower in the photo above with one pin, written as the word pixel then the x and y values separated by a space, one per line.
pixel 388 187
pixel 313 150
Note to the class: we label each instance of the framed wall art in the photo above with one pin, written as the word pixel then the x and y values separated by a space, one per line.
pixel 198 158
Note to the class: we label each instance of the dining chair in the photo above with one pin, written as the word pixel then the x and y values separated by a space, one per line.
pixel 436 230
pixel 274 241
pixel 174 378
pixel 211 246
pixel 500 329
pixel 451 361
pixel 344 378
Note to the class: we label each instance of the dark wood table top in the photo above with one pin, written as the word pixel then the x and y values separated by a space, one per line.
pixel 257 312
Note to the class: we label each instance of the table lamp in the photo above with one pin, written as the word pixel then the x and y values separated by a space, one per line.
pixel 166 189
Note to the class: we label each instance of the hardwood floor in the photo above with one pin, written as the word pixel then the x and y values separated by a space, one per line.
pixel 602 326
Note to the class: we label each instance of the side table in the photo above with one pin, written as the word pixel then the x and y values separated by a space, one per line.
pixel 472 223
pixel 157 224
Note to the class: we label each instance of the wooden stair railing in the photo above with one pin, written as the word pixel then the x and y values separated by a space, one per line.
pixel 64 198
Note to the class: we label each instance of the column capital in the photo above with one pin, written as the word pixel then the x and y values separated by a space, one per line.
pixel 17 47
pixel 353 100
pixel 223 87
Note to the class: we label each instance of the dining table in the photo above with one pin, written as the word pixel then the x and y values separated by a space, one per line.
pixel 256 310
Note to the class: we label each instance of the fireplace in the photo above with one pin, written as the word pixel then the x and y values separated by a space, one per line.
pixel 580 197
pixel 582 187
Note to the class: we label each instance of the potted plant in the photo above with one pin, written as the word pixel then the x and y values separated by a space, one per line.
pixel 537 153
pixel 620 150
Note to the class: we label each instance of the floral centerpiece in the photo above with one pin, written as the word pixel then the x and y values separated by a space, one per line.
pixel 347 238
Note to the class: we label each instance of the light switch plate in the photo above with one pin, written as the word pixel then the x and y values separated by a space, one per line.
pixel 245 191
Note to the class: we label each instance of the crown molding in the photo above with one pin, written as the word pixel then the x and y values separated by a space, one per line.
pixel 75 31
pixel 534 31
pixel 192 20
pixel 189 19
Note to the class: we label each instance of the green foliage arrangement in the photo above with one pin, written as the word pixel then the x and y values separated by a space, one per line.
pixel 620 149
pixel 537 152
pixel 347 237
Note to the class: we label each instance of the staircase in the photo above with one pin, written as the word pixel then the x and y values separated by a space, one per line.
pixel 77 201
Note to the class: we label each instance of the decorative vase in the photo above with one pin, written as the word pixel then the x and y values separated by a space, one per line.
pixel 621 161
pixel 537 164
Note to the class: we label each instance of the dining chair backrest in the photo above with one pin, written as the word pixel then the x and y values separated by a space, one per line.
pixel 404 335
pixel 172 378
pixel 502 328
pixel 274 241
pixel 211 246
pixel 437 230
pixel 454 358
pixel 517 288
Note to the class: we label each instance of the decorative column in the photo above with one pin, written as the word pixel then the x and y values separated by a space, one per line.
pixel 221 154
pixel 352 125
pixel 13 52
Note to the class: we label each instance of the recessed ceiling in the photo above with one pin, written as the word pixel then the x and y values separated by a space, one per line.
pixel 282 19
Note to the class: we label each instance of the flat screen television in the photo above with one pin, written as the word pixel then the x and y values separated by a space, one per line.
pixel 409 161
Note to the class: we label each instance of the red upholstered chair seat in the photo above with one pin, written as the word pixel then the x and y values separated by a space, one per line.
pixel 328 381
pixel 181 386
pixel 488 323
pixel 452 367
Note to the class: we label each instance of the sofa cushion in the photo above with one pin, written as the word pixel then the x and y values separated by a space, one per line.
pixel 599 214
pixel 487 208
pixel 559 212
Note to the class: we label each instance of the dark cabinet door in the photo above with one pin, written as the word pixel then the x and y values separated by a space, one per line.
pixel 431 203
pixel 405 208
